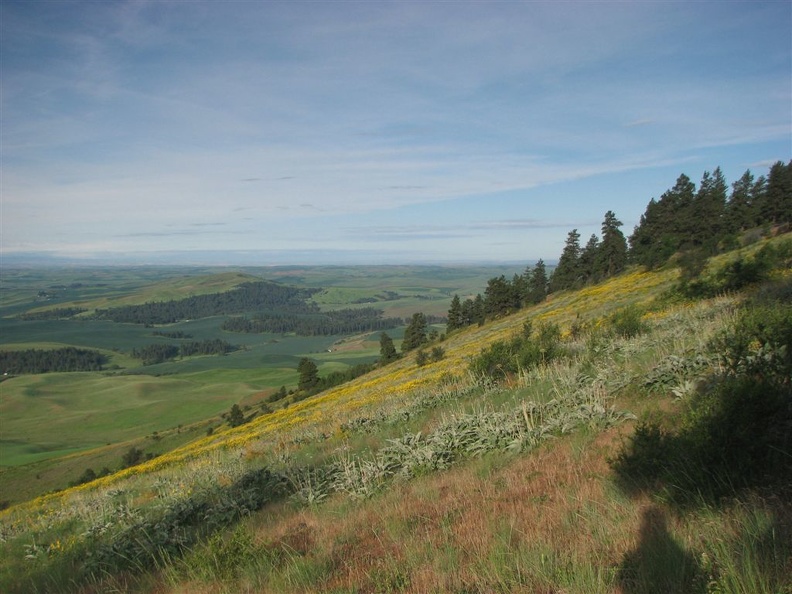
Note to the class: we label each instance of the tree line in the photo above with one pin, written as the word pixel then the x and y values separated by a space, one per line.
pixel 501 297
pixel 263 295
pixel 51 360
pixel 310 382
pixel 159 353
pixel 709 219
pixel 281 309
pixel 686 222
pixel 58 313
pixel 313 323
pixel 594 262
pixel 178 334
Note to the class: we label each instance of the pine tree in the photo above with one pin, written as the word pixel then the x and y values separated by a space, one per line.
pixel 478 311
pixel 565 275
pixel 415 334
pixel 758 195
pixel 537 283
pixel 500 297
pixel 520 290
pixel 309 375
pixel 589 258
pixel 387 350
pixel 664 226
pixel 235 417
pixel 776 205
pixel 680 222
pixel 612 253
pixel 455 319
pixel 473 311
pixel 739 209
pixel 708 212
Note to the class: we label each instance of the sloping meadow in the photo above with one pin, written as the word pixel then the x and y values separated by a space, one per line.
pixel 417 477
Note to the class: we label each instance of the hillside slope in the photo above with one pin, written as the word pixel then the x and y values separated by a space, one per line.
pixel 432 479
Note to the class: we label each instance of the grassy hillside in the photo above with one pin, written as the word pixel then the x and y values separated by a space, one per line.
pixel 431 479
pixel 163 290
pixel 45 417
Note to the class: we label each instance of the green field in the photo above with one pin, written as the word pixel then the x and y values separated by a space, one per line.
pixel 55 425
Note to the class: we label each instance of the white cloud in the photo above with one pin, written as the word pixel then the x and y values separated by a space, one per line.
pixel 137 119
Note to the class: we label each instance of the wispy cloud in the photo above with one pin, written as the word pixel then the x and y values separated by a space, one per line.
pixel 453 231
pixel 281 112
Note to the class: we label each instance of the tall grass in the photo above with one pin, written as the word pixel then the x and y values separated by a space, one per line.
pixel 427 479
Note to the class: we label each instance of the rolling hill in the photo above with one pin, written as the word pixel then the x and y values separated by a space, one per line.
pixel 625 462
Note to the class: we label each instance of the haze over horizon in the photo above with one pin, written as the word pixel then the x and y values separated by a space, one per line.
pixel 371 132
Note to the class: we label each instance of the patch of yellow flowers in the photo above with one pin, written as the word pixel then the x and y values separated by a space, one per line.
pixel 389 386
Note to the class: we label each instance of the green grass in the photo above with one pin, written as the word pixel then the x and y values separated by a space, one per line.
pixel 456 516
pixel 80 411
pixel 81 418
pixel 173 287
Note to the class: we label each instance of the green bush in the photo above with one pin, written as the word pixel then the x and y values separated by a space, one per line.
pixel 132 457
pixel 737 432
pixel 760 344
pixel 745 271
pixel 628 322
pixel 643 460
pixel 507 358
pixel 421 358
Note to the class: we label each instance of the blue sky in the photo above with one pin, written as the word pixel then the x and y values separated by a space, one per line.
pixel 372 131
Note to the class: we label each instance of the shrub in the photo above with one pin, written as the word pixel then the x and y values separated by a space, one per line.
pixel 132 457
pixel 643 459
pixel 774 292
pixel 421 358
pixel 236 417
pixel 691 264
pixel 87 476
pixel 737 431
pixel 628 322
pixel 503 359
pixel 738 274
pixel 760 344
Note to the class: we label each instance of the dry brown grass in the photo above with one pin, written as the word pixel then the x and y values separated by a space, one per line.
pixel 440 533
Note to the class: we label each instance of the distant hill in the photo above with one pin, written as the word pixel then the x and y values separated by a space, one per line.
pixel 636 446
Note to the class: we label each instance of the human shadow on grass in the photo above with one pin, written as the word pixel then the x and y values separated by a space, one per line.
pixel 732 449
pixel 658 564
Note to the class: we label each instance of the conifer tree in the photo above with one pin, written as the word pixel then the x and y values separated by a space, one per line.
pixel 680 223
pixel 537 283
pixel 776 203
pixel 566 274
pixel 415 334
pixel 739 209
pixel 708 212
pixel 665 225
pixel 455 319
pixel 236 417
pixel 309 374
pixel 520 289
pixel 473 311
pixel 500 297
pixel 387 350
pixel 611 256
pixel 588 261
pixel 478 312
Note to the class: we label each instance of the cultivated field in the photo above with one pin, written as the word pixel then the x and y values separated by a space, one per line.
pixel 56 425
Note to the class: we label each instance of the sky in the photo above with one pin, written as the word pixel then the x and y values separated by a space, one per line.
pixel 371 132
